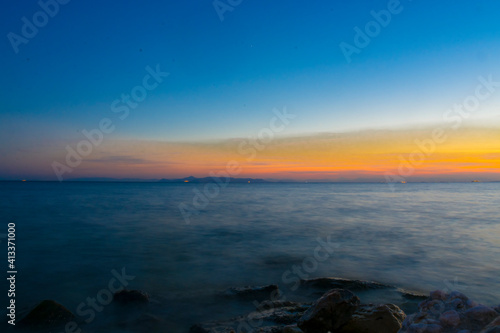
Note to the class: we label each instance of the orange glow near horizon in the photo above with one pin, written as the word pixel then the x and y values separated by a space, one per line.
pixel 467 152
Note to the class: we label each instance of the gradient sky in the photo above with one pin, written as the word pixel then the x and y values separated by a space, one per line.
pixel 227 76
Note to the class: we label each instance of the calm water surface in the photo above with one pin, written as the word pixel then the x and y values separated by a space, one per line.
pixel 70 236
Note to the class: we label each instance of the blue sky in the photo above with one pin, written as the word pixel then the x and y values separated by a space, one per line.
pixel 226 76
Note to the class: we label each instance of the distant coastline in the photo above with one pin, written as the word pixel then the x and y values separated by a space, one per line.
pixel 203 180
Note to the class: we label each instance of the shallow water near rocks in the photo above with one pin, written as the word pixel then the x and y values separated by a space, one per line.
pixel 71 236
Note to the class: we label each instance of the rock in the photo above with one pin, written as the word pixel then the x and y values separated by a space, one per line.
pixel 438 294
pixel 470 303
pixel 480 316
pixel 287 315
pixel 493 327
pixel 254 293
pixel 271 319
pixel 203 328
pixel 338 283
pixel 450 313
pixel 330 312
pixel 450 318
pixel 411 296
pixel 268 304
pixel 425 328
pixel 131 297
pixel 47 314
pixel 457 294
pixel 370 318
pixel 340 311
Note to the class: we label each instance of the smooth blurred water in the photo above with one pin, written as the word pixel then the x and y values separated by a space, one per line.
pixel 70 236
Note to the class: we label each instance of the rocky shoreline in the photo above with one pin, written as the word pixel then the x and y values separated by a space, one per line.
pixel 319 305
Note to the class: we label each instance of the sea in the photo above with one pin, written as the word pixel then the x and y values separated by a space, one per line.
pixel 184 243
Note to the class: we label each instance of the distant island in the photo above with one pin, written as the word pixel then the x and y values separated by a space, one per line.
pixel 192 179
pixel 189 179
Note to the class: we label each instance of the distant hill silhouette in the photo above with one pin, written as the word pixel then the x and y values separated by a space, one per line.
pixel 192 179
pixel 189 179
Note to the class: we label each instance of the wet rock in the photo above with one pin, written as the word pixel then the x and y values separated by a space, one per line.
pixel 412 296
pixel 386 318
pixel 493 327
pixel 338 283
pixel 330 312
pixel 268 304
pixel 47 314
pixel 425 328
pixel 254 293
pixel 438 294
pixel 449 313
pixel 367 291
pixel 272 320
pixel 207 328
pixel 286 315
pixel 340 311
pixel 480 315
pixel 131 297
pixel 456 294
pixel 450 318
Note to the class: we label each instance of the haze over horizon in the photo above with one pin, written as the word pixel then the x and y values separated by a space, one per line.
pixel 383 90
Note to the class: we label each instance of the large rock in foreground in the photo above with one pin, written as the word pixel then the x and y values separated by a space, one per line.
pixel 47 314
pixel 330 312
pixel 451 313
pixel 340 311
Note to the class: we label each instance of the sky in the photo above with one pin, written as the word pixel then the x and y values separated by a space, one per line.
pixel 307 90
